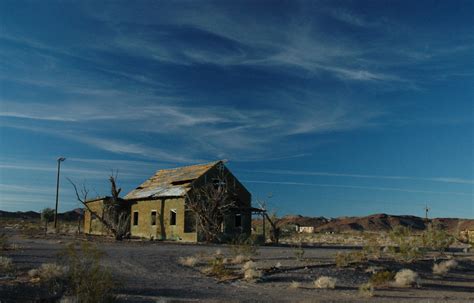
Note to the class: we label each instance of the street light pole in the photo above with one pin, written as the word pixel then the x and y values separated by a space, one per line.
pixel 61 159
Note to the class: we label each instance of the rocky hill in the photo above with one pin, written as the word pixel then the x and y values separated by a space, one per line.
pixel 376 222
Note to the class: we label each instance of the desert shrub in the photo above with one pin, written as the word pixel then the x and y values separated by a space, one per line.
pixel 88 281
pixel 325 282
pixel 6 265
pixel 239 259
pixel 406 278
pixel 381 278
pixel 251 273
pixel 3 242
pixel 366 290
pixel 299 252
pixel 444 267
pixel 372 248
pixel 342 259
pixel 51 271
pixel 408 246
pixel 295 284
pixel 436 238
pixel 217 268
pixel 52 276
pixel 188 261
pixel 244 246
pixel 346 259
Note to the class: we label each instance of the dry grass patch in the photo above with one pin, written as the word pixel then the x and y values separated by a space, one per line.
pixel 251 273
pixel 325 282
pixel 217 268
pixel 239 259
pixel 346 259
pixel 6 265
pixel 295 284
pixel 381 278
pixel 366 290
pixel 406 278
pixel 444 267
pixel 188 261
pixel 49 271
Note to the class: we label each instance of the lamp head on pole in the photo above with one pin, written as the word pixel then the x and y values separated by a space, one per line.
pixel 61 159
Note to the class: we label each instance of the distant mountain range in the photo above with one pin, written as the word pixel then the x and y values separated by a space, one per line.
pixel 71 215
pixel 377 222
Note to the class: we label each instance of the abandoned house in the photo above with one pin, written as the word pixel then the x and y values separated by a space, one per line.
pixel 158 207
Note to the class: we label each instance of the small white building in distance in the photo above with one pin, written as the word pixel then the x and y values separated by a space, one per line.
pixel 306 229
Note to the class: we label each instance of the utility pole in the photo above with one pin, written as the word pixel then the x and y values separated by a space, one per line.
pixel 60 159
pixel 426 212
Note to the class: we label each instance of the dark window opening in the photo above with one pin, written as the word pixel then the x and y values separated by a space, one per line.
pixel 189 221
pixel 135 218
pixel 173 217
pixel 218 183
pixel 181 182
pixel 238 220
pixel 153 217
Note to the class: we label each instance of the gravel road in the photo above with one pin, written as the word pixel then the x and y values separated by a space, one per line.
pixel 150 272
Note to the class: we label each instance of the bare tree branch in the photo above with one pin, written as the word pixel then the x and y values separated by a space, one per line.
pixel 114 216
pixel 275 230
pixel 210 203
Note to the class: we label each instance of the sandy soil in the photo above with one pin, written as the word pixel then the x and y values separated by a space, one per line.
pixel 150 272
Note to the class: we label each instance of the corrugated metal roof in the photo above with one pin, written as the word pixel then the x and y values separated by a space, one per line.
pixel 170 182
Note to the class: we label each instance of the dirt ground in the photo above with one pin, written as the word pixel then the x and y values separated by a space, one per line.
pixel 150 272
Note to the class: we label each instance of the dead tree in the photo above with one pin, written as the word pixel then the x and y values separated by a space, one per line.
pixel 210 203
pixel 114 215
pixel 274 229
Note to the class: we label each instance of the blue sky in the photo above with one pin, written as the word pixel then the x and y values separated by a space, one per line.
pixel 334 107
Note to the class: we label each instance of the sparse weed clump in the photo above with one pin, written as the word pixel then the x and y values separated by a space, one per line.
pixel 366 290
pixel 6 266
pixel 244 246
pixel 295 284
pixel 239 259
pixel 325 282
pixel 444 267
pixel 406 278
pixel 436 238
pixel 51 271
pixel 371 248
pixel 408 245
pixel 251 273
pixel 346 259
pixel 88 281
pixel 188 261
pixel 3 242
pixel 52 276
pixel 299 252
pixel 217 268
pixel 381 278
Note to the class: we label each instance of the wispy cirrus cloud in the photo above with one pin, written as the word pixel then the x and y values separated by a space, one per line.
pixel 406 190
pixel 361 176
